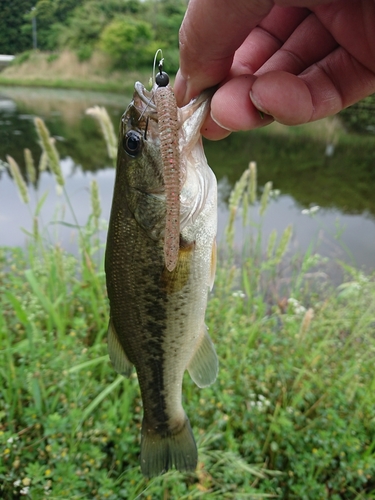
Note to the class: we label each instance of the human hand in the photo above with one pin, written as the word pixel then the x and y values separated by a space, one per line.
pixel 295 61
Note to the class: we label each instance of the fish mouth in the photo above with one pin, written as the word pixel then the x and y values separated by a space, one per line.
pixel 146 97
pixel 141 114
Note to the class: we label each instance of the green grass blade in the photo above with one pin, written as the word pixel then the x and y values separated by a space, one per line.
pixel 99 398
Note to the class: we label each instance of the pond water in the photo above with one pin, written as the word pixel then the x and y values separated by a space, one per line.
pixel 316 165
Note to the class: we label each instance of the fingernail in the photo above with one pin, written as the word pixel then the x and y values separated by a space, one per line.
pixel 220 125
pixel 257 104
pixel 180 89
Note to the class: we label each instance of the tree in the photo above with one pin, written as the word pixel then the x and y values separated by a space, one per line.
pixel 129 42
pixel 12 40
pixel 51 15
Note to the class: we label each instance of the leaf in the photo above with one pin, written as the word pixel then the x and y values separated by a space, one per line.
pixel 18 309
pixel 87 364
pixel 99 398
pixel 46 303
pixel 40 204
pixel 35 389
pixel 67 224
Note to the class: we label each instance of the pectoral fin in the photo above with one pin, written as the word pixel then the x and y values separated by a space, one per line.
pixel 117 355
pixel 204 365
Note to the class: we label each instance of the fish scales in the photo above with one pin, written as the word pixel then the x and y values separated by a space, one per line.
pixel 157 315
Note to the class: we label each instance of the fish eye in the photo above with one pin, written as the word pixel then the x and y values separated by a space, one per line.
pixel 132 143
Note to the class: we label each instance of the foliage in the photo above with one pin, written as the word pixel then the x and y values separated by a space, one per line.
pixel 50 17
pixel 352 164
pixel 128 42
pixel 361 116
pixel 12 40
pixel 290 416
pixel 83 28
pixel 21 58
pixel 143 26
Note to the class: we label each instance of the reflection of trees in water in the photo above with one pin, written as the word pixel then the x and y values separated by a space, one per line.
pixel 70 105
pixel 77 135
pixel 294 160
pixel 84 144
pixel 298 166
pixel 15 135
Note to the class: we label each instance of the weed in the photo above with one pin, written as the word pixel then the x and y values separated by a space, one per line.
pixel 290 416
pixel 21 58
pixel 52 57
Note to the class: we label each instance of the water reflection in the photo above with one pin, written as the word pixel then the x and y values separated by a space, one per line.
pixel 295 162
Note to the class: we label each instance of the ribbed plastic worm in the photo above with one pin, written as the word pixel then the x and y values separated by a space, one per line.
pixel 166 106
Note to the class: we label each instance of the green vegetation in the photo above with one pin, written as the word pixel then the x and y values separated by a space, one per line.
pixel 361 116
pixel 128 31
pixel 295 159
pixel 66 70
pixel 290 416
pixel 11 21
pixel 129 42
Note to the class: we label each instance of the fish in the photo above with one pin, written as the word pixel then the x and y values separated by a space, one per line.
pixel 157 311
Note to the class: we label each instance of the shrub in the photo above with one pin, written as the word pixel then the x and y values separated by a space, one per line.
pixel 129 42
pixel 361 116
pixel 21 58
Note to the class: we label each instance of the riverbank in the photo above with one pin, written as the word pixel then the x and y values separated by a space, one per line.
pixel 64 70
pixel 290 416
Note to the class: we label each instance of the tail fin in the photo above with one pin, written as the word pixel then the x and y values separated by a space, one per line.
pixel 161 453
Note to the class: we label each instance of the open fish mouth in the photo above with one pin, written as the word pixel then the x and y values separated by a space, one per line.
pixel 146 96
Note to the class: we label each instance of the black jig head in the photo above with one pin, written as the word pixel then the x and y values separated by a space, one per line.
pixel 162 78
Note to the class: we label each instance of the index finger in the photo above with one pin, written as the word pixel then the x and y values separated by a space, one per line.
pixel 211 32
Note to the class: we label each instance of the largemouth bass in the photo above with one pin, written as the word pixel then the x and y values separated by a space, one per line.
pixel 157 315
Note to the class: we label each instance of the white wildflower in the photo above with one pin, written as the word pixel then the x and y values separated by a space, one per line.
pixel 297 307
pixel 311 210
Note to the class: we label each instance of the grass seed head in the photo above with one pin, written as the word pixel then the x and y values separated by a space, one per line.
pixel 50 150
pixel 265 197
pixel 235 198
pixel 252 182
pixel 271 243
pixel 106 125
pixel 306 321
pixel 30 168
pixel 43 162
pixel 18 179
pixel 95 200
pixel 284 242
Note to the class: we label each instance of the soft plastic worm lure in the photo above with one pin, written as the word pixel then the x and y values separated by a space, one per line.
pixel 166 106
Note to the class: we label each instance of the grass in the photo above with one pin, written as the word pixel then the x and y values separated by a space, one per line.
pixel 64 70
pixel 291 415
pixel 59 83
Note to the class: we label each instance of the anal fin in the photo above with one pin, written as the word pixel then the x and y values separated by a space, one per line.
pixel 204 365
pixel 117 354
